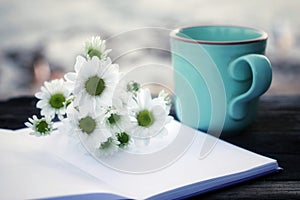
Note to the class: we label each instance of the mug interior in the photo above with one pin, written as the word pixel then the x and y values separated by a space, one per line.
pixel 219 34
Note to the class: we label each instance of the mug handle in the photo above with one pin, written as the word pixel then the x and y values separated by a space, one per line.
pixel 261 80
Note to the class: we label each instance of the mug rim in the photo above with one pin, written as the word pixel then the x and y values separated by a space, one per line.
pixel 262 37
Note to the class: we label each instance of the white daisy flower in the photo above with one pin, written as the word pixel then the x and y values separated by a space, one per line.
pixel 96 47
pixel 124 139
pixel 109 147
pixel 87 124
pixel 54 97
pixel 95 83
pixel 149 117
pixel 40 127
pixel 117 120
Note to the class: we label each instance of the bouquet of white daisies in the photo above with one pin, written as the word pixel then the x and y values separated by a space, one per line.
pixel 94 103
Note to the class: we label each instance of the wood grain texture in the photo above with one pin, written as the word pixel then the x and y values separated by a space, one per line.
pixel 274 133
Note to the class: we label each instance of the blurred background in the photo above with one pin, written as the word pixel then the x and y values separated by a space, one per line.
pixel 40 39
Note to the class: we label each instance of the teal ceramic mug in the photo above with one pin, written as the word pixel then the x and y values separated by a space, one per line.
pixel 219 74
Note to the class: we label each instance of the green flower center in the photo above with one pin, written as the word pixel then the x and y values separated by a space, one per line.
pixel 145 118
pixel 42 126
pixel 123 138
pixel 57 100
pixel 94 52
pixel 87 124
pixel 95 85
pixel 113 119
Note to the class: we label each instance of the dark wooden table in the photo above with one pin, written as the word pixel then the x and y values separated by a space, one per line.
pixel 274 133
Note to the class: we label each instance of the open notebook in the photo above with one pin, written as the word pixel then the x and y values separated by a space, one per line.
pixel 59 167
